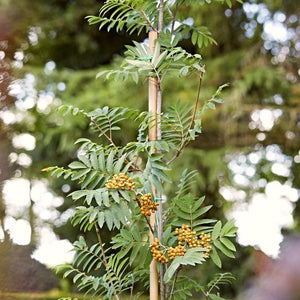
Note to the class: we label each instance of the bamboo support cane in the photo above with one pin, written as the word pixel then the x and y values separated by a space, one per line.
pixel 152 100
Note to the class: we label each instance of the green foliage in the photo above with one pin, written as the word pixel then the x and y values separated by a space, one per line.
pixel 73 45
pixel 88 259
pixel 220 238
pixel 176 124
pixel 219 279
pixel 184 287
pixel 139 62
pixel 119 187
pixel 186 180
pixel 202 2
pixel 134 15
pixel 188 211
pixel 192 257
pixel 116 208
pixel 135 242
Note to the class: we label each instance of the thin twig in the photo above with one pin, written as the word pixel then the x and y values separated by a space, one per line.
pixel 167 287
pixel 174 282
pixel 131 291
pixel 148 222
pixel 101 244
pixel 136 168
pixel 100 129
pixel 147 20
pixel 104 257
pixel 197 100
pixel 158 111
pixel 184 140
pixel 160 234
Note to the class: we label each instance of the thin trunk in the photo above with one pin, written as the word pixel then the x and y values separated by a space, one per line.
pixel 158 133
pixel 155 99
pixel 159 196
pixel 161 16
pixel 152 98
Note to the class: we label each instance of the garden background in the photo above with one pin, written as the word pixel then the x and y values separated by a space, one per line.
pixel 247 156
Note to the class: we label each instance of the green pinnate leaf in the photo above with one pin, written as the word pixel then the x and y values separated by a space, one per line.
pixel 79 174
pixel 134 253
pixel 216 258
pixel 231 232
pixel 223 249
pixel 216 230
pixel 226 242
pixel 94 161
pixel 119 164
pixel 194 37
pixel 100 219
pixel 202 211
pixel 85 160
pixel 77 165
pixel 192 257
pixel 110 163
pixel 227 227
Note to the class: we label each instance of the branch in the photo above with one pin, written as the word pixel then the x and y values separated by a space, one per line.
pixel 104 256
pixel 147 20
pixel 197 100
pixel 174 282
pixel 136 167
pixel 148 222
pixel 100 129
pixel 184 140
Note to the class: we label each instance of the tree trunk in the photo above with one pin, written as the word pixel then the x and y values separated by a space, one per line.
pixel 152 101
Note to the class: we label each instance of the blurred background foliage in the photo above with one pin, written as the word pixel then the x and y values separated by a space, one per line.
pixel 49 56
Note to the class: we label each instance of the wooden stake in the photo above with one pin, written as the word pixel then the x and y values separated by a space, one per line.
pixel 152 100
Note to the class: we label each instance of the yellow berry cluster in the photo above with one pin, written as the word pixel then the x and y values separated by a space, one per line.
pixel 205 240
pixel 190 239
pixel 121 181
pixel 177 251
pixel 185 234
pixel 186 237
pixel 158 254
pixel 147 205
